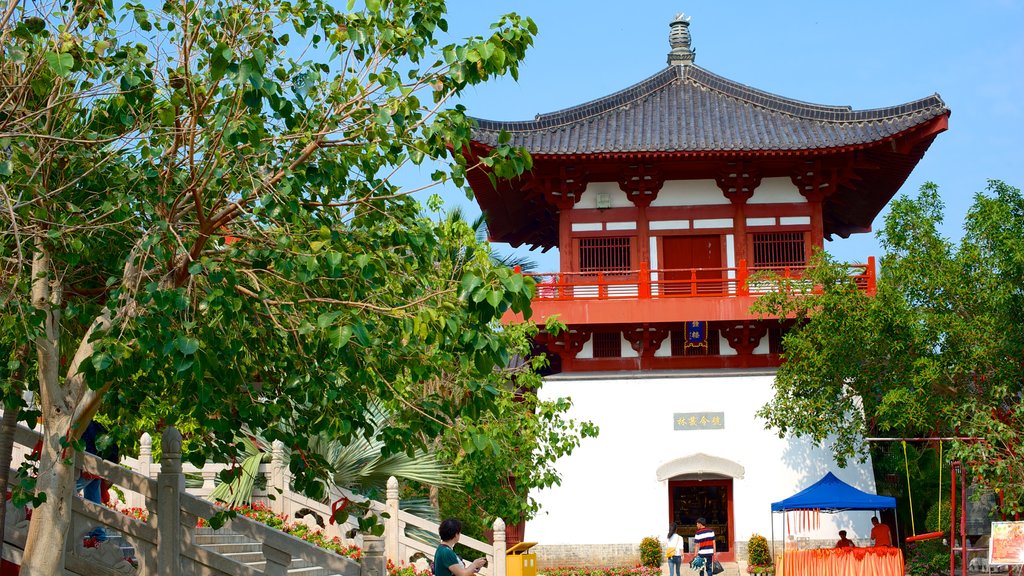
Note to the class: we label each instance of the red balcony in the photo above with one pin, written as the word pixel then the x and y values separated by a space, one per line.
pixel 656 296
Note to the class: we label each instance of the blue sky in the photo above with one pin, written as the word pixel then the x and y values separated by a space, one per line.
pixel 866 54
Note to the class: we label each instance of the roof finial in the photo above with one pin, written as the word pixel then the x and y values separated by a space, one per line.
pixel 679 40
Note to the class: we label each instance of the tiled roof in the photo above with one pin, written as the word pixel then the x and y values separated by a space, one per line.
pixel 688 109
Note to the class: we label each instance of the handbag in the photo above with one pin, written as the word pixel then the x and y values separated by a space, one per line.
pixel 716 567
pixel 670 552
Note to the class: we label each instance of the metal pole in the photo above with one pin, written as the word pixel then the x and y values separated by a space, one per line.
pixel 963 522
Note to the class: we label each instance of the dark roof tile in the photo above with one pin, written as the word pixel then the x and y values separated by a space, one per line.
pixel 687 108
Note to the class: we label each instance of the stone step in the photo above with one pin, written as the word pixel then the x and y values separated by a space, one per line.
pixel 295 570
pixel 205 539
pixel 235 548
pixel 240 548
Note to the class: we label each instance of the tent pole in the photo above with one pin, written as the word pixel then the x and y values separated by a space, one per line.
pixel 774 553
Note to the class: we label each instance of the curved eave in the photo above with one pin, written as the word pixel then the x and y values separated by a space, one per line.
pixel 519 217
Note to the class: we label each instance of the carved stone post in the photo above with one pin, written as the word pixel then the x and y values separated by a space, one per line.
pixel 170 484
pixel 498 565
pixel 136 500
pixel 278 477
pixel 146 455
pixel 391 525
pixel 374 563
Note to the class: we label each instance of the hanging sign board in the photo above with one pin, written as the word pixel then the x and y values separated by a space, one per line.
pixel 1006 545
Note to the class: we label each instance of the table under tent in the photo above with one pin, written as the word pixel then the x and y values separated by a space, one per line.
pixel 831 495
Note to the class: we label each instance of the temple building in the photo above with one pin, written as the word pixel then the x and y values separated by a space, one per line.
pixel 662 200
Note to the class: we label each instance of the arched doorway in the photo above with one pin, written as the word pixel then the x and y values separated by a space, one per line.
pixel 700 485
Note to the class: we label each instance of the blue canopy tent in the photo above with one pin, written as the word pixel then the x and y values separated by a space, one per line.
pixel 830 494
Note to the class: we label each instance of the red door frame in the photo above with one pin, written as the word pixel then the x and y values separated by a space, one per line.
pixel 729 556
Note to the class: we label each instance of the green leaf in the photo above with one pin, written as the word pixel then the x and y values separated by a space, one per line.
pixel 101 361
pixel 186 345
pixel 494 298
pixel 340 335
pixel 327 318
pixel 470 282
pixel 60 63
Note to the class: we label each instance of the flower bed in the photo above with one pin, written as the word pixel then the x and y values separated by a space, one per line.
pixel 635 571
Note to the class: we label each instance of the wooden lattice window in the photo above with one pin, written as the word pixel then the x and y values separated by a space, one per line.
pixel 607 345
pixel 606 254
pixel 778 249
pixel 678 341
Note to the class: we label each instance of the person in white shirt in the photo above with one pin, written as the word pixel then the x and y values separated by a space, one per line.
pixel 675 541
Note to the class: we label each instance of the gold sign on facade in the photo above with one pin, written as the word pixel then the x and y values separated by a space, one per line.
pixel 698 420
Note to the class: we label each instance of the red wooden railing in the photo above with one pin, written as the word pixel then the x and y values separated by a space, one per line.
pixel 645 283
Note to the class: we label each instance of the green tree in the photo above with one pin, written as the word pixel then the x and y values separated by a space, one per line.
pixel 201 229
pixel 505 456
pixel 937 351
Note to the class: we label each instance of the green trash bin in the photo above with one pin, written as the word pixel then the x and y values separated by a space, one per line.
pixel 519 561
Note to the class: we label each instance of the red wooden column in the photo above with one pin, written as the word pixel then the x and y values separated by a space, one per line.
pixel 738 181
pixel 563 190
pixel 641 183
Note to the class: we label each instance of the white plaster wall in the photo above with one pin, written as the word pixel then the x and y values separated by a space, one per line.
pixel 776 191
pixel 690 193
pixel 610 492
pixel 615 195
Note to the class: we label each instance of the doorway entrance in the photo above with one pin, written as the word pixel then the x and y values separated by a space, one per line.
pixel 681 255
pixel 689 500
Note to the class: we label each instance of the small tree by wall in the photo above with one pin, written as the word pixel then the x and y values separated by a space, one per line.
pixel 650 552
pixel 759 557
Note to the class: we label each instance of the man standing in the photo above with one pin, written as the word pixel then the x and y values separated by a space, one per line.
pixel 704 539
pixel 880 533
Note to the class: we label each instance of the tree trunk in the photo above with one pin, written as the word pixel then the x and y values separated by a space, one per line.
pixel 47 533
pixel 48 530
pixel 67 408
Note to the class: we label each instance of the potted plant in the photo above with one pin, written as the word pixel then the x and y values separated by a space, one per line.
pixel 759 557
pixel 650 552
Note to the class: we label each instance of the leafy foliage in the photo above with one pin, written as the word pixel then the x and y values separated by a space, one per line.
pixel 758 553
pixel 650 552
pixel 202 228
pixel 927 558
pixel 938 351
pixel 506 455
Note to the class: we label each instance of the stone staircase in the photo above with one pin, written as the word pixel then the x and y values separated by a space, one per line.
pixel 244 550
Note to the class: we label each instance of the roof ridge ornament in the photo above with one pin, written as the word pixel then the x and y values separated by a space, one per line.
pixel 679 40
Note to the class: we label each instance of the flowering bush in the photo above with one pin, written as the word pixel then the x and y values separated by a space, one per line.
pixel 650 552
pixel 404 569
pixel 927 558
pixel 758 555
pixel 140 514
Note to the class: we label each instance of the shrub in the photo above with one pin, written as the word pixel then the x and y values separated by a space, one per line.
pixel 759 557
pixel 650 552
pixel 938 513
pixel 927 558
